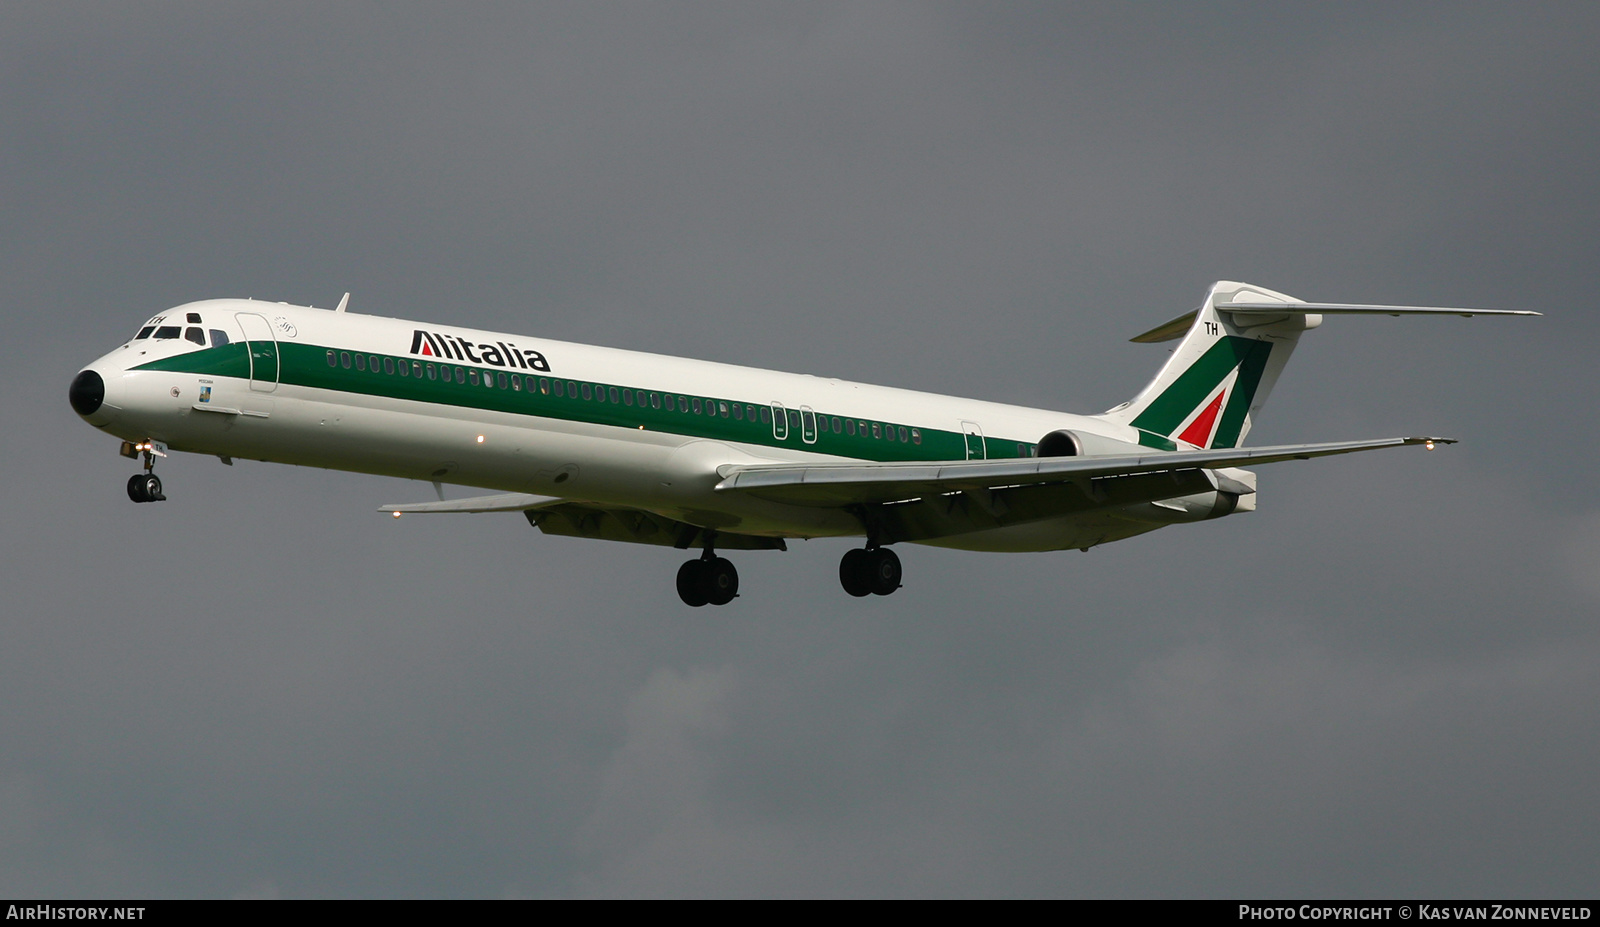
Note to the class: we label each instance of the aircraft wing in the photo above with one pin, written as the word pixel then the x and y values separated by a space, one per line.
pixel 856 483
pixel 503 502
pixel 554 515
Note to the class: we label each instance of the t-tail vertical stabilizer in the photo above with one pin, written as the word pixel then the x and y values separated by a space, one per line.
pixel 1208 392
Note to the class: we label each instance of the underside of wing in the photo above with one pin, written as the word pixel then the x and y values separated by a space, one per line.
pixel 636 526
pixel 1032 504
pixel 502 502
pixel 834 484
pixel 553 515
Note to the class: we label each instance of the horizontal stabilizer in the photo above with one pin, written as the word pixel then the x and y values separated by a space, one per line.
pixel 1170 331
pixel 1298 308
pixel 832 484
pixel 504 502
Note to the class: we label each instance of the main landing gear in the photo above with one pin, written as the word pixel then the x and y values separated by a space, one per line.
pixel 870 571
pixel 710 580
pixel 146 486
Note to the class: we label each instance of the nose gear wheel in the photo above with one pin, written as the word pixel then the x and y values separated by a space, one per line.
pixel 145 487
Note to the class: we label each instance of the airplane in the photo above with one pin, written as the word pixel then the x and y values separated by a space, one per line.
pixel 620 445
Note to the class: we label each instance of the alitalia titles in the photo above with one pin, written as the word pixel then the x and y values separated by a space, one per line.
pixel 498 354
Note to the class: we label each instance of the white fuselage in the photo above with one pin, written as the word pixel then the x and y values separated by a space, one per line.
pixel 290 392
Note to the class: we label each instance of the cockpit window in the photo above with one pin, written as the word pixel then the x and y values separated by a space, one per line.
pixel 194 318
pixel 144 333
pixel 168 331
pixel 220 338
pixel 198 336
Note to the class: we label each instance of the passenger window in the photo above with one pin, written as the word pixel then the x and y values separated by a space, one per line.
pixel 333 359
pixel 388 365
pixel 655 400
pixel 218 337
pixel 696 402
pixel 722 407
pixel 850 427
pixel 822 423
pixel 902 431
pixel 794 419
pixel 558 388
pixel 461 375
pixel 372 362
pixel 835 421
pixel 668 401
pixel 683 404
pixel 544 385
pixel 168 331
pixel 627 397
pixel 613 394
pixel 500 380
pixel 144 333
pixel 516 383
pixel 877 430
pixel 472 377
pixel 572 389
pixel 916 436
pixel 738 412
pixel 344 359
pixel 588 391
pixel 405 369
pixel 432 372
pixel 766 415
pixel 361 362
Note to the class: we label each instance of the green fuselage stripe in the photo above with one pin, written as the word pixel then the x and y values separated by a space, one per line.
pixel 307 366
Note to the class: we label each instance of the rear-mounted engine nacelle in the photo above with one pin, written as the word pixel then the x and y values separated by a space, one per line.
pixel 1065 443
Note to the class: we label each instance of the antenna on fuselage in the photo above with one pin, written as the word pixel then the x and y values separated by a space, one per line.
pixel 343 303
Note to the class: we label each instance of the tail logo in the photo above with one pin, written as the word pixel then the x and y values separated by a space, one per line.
pixel 1206 404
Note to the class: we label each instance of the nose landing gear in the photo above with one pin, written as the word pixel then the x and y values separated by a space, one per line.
pixel 146 486
pixel 870 571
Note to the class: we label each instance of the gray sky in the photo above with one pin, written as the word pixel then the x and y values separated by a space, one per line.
pixel 1384 682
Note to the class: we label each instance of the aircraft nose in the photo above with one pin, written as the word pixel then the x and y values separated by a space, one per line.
pixel 87 393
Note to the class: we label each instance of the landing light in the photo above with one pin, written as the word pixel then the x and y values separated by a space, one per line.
pixel 397 514
pixel 1428 445
pixel 480 439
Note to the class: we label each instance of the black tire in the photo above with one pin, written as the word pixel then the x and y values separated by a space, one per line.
pixel 721 581
pixel 691 584
pixel 884 571
pixel 136 488
pixel 853 573
pixel 152 488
